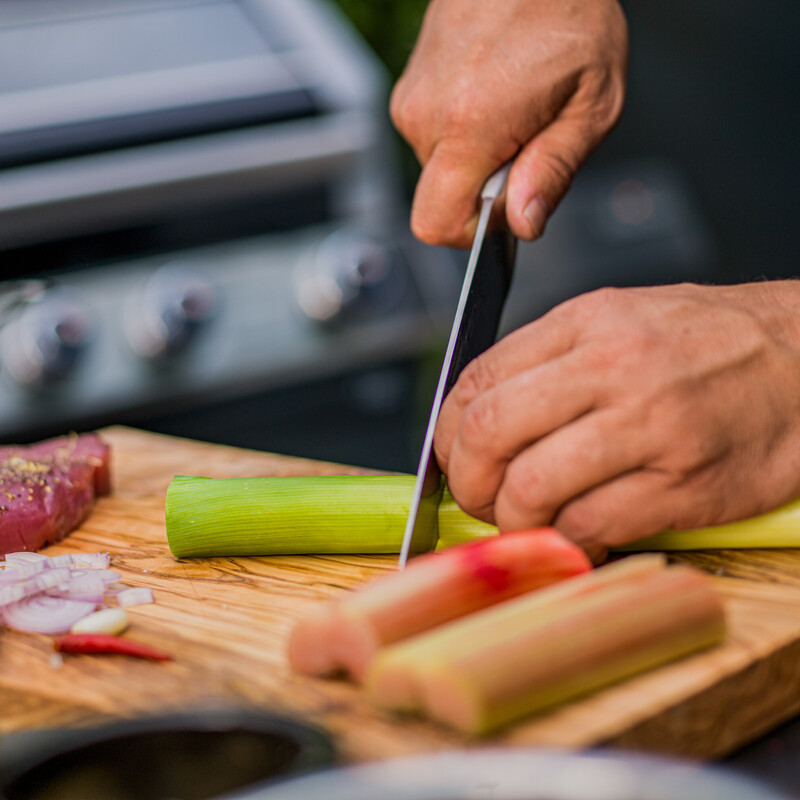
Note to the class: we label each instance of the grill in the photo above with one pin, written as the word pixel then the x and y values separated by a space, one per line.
pixel 203 231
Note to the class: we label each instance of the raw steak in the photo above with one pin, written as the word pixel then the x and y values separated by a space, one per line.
pixel 47 489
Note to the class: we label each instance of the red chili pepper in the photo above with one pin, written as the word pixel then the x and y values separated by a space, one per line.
pixel 105 643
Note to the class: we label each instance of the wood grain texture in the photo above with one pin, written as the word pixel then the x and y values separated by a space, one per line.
pixel 226 620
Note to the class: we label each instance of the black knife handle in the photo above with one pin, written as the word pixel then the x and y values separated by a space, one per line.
pixel 485 301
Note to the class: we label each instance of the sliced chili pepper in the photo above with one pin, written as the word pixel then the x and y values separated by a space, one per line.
pixel 106 643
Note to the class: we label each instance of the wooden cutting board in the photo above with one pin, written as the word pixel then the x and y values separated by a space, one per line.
pixel 226 621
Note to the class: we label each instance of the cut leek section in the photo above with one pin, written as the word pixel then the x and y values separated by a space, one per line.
pixel 286 515
pixel 778 528
pixel 367 514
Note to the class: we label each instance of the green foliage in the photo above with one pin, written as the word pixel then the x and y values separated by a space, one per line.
pixel 389 26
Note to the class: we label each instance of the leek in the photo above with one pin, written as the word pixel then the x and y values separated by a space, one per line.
pixel 777 528
pixel 286 515
pixel 367 514
pixel 458 527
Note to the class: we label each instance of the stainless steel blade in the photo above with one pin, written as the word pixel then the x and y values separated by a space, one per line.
pixel 473 331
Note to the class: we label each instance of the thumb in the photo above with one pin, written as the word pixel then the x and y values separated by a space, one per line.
pixel 542 174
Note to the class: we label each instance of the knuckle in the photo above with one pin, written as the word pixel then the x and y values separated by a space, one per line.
pixel 615 99
pixel 479 424
pixel 396 105
pixel 603 358
pixel 470 494
pixel 593 524
pixel 623 355
pixel 589 305
pixel 522 487
pixel 476 377
pixel 562 165
pixel 468 500
pixel 441 452
pixel 688 444
pixel 711 511
pixel 605 297
pixel 462 115
pixel 607 90
pixel 404 111
pixel 578 521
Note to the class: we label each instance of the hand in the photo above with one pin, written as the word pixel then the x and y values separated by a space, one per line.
pixel 624 412
pixel 542 80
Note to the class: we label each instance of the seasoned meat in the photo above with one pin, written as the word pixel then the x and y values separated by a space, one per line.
pixel 47 489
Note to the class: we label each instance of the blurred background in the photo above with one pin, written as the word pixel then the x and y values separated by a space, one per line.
pixel 203 210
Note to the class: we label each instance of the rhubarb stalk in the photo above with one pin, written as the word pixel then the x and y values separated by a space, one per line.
pixel 434 589
pixel 394 679
pixel 536 651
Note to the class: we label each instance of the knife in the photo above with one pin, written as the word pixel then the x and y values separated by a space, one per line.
pixel 483 294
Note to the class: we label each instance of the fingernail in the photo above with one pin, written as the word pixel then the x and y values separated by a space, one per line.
pixel 537 212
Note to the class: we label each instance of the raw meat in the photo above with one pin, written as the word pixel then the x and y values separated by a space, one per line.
pixel 47 489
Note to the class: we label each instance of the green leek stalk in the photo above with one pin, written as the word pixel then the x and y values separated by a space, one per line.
pixel 367 514
pixel 458 527
pixel 777 528
pixel 287 515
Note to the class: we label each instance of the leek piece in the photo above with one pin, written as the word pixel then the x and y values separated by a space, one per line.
pixel 458 527
pixel 301 515
pixel 287 515
pixel 778 528
pixel 367 514
pixel 774 529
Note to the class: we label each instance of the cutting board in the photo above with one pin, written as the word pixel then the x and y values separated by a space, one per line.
pixel 226 621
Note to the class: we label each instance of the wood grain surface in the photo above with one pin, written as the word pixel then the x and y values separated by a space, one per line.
pixel 226 621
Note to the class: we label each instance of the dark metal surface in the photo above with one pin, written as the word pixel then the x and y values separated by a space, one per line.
pixel 195 755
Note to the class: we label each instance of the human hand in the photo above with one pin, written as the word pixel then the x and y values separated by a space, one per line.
pixel 490 80
pixel 624 412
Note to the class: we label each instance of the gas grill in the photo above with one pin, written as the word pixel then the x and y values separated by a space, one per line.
pixel 202 229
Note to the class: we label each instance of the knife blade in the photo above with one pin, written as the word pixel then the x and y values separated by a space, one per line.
pixel 483 293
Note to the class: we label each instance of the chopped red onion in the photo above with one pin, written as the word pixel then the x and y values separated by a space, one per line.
pixel 92 560
pixel 105 575
pixel 14 592
pixel 64 560
pixel 139 595
pixel 21 570
pixel 89 590
pixel 43 594
pixel 45 614
pixel 24 557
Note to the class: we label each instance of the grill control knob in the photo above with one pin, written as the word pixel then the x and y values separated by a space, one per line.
pixel 169 312
pixel 349 277
pixel 45 342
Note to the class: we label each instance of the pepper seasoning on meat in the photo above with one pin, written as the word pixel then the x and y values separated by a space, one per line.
pixel 49 488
